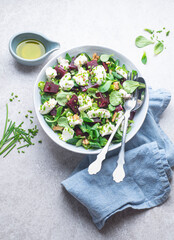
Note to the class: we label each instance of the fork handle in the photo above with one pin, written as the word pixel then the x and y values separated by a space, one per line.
pixel 122 149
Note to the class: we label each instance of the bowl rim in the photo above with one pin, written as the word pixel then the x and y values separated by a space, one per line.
pixel 59 141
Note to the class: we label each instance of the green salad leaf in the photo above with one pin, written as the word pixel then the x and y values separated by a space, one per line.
pixel 41 85
pixel 116 75
pixel 144 58
pixel 62 97
pixel 45 98
pixel 167 33
pixel 141 42
pixel 105 57
pixel 67 56
pixel 111 108
pixel 115 98
pixel 130 86
pixel 63 122
pixel 85 117
pixel 159 47
pixel 105 87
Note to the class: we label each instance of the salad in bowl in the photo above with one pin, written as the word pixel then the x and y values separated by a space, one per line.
pixel 83 95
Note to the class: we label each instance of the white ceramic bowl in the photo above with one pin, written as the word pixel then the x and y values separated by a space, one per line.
pixel 139 116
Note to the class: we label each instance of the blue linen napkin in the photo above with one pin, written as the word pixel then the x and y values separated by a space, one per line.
pixel 149 158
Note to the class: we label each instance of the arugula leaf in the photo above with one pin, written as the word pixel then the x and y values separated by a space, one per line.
pixel 86 118
pixel 159 47
pixel 116 75
pixel 52 120
pixel 45 98
pixel 105 87
pixel 72 141
pixel 141 42
pixel 134 73
pixel 149 30
pixel 102 141
pixel 115 98
pixel 94 144
pixel 62 97
pixel 130 86
pixel 41 85
pixel 167 33
pixel 67 56
pixel 144 58
pixel 105 57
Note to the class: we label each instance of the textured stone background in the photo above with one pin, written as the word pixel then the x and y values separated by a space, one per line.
pixel 33 204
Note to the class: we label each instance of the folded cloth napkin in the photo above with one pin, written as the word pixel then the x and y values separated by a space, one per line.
pixel 149 158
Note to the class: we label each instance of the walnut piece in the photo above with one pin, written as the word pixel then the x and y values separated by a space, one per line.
pixel 95 57
pixel 57 128
pixel 85 141
pixel 116 85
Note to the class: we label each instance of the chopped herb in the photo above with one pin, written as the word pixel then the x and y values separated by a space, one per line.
pixel 22 151
pixel 167 33
pixel 16 96
pixel 26 115
pixel 12 94
pixel 159 31
pixel 40 141
pixel 149 30
pixel 29 111
pixel 31 121
pixel 11 99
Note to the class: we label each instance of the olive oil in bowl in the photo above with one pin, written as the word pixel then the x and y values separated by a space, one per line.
pixel 30 49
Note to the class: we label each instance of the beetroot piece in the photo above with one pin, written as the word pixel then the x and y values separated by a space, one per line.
pixel 78 132
pixel 132 114
pixel 122 81
pixel 96 120
pixel 73 104
pixel 53 112
pixel 60 71
pixel 72 66
pixel 91 64
pixel 90 85
pixel 75 89
pixel 105 66
pixel 118 108
pixel 51 87
pixel 101 100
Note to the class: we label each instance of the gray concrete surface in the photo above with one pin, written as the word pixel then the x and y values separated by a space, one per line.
pixel 33 205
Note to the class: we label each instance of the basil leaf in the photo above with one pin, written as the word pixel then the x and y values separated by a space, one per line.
pixel 159 47
pixel 141 41
pixel 149 30
pixel 115 98
pixel 105 87
pixel 67 56
pixel 130 86
pixel 63 122
pixel 62 97
pixel 144 58
pixel 105 57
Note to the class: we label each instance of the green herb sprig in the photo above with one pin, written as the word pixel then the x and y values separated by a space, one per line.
pixel 13 134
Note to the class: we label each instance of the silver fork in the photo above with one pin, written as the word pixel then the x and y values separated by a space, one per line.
pixel 95 166
pixel 119 173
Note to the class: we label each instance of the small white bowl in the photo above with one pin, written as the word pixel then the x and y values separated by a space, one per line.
pixel 139 116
